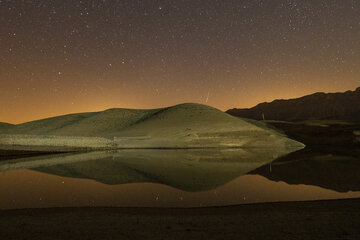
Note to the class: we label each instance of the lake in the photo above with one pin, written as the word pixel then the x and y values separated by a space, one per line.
pixel 176 178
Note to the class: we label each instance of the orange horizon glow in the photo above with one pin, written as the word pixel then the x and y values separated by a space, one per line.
pixel 27 111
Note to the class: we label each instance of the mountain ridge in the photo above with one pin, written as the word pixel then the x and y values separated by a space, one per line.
pixel 317 106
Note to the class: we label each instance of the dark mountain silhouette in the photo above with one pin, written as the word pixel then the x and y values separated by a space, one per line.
pixel 315 106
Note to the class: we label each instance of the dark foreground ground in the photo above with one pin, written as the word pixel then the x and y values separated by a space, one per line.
pixel 336 219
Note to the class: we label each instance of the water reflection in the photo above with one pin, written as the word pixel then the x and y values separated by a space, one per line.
pixel 335 170
pixel 189 170
pixel 176 178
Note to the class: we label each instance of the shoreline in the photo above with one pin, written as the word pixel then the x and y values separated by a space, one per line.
pixel 320 219
pixel 15 154
pixel 254 204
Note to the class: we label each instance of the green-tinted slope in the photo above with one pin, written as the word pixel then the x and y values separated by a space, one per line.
pixel 104 124
pixel 49 125
pixel 183 118
pixel 94 124
pixel 181 126
pixel 195 125
pixel 4 127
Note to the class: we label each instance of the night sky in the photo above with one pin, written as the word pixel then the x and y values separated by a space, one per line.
pixel 66 56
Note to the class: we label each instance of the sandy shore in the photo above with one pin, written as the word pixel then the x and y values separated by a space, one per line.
pixel 334 219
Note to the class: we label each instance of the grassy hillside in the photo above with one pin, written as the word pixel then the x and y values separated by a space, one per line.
pixel 181 126
pixel 94 124
pixel 5 126
pixel 194 125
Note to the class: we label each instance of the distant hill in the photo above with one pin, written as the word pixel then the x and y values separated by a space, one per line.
pixel 181 126
pixel 344 106
pixel 4 126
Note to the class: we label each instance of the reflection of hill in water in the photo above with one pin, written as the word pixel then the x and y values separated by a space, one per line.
pixel 190 170
pixel 339 172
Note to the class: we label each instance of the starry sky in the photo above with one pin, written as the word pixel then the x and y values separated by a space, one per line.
pixel 67 56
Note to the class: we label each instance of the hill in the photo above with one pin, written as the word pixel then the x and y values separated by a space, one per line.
pixel 181 126
pixel 83 124
pixel 345 106
pixel 5 126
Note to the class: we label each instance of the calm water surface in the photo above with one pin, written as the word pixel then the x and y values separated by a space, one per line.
pixel 175 178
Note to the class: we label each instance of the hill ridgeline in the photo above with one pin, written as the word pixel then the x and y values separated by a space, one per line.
pixel 181 126
pixel 317 106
